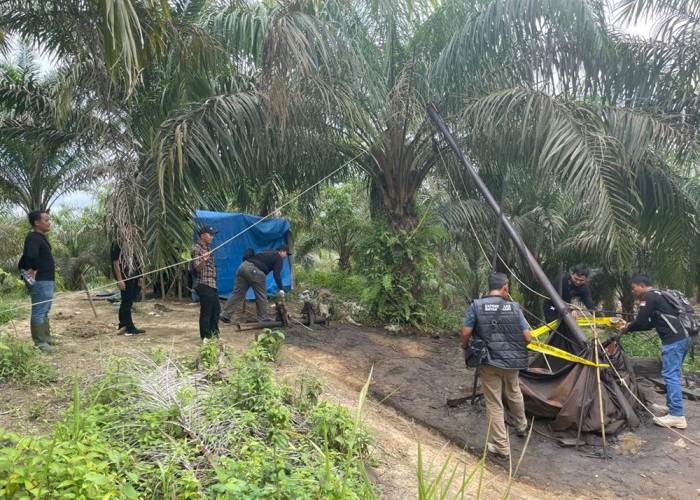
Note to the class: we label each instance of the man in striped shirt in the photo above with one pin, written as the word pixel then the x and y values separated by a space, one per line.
pixel 205 284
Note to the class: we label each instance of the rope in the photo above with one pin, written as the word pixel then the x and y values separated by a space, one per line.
pixel 65 295
pixel 624 384
pixel 483 251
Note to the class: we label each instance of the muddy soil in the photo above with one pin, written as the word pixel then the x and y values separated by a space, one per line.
pixel 413 376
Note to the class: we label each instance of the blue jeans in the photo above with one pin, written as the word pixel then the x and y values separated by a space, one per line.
pixel 672 356
pixel 41 293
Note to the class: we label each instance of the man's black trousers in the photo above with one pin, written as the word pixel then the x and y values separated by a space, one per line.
pixel 209 310
pixel 131 290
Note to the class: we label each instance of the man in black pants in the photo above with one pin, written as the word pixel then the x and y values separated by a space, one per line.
pixel 129 281
pixel 253 273
pixel 205 284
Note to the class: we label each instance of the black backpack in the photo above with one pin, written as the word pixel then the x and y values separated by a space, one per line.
pixel 686 314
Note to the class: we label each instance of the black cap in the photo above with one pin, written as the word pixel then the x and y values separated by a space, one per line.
pixel 206 229
pixel 284 248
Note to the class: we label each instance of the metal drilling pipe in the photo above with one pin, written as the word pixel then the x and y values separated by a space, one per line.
pixel 556 299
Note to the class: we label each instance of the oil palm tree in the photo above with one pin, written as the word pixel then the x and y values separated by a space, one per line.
pixel 43 152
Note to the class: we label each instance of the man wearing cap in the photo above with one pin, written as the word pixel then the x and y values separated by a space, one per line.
pixel 253 273
pixel 205 284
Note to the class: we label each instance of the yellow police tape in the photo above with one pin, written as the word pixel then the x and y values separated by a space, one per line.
pixel 584 321
pixel 553 351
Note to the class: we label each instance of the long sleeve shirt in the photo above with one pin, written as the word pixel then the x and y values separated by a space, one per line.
pixel 269 260
pixel 656 312
pixel 569 291
pixel 37 255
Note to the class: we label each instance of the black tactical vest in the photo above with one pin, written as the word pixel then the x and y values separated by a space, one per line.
pixel 502 332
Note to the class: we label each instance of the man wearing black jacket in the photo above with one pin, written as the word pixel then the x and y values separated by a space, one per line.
pixel 253 273
pixel 570 285
pixel 39 270
pixel 656 312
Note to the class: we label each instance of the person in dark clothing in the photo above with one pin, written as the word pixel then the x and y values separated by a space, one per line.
pixel 656 312
pixel 205 284
pixel 129 282
pixel 253 273
pixel 571 285
pixel 502 326
pixel 39 270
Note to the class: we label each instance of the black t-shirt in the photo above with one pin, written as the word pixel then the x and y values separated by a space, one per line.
pixel 37 255
pixel 269 260
pixel 115 253
pixel 569 291
pixel 656 312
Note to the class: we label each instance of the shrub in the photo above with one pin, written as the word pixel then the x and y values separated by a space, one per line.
pixel 341 283
pixel 21 362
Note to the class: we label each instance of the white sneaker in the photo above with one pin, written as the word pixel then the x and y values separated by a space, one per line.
pixel 671 421
pixel 660 408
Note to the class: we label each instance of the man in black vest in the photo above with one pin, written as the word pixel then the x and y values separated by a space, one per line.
pixel 502 326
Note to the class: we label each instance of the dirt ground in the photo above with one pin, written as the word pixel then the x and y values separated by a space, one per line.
pixel 413 377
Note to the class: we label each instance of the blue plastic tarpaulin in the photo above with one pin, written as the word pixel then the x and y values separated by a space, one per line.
pixel 268 234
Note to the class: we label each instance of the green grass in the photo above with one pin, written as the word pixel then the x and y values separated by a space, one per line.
pixel 648 345
pixel 158 429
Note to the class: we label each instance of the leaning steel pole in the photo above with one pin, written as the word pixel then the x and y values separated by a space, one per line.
pixel 559 304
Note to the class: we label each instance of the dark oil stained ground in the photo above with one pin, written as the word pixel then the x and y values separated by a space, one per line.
pixel 417 374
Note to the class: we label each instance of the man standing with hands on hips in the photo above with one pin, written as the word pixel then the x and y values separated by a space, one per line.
pixel 39 272
pixel 205 284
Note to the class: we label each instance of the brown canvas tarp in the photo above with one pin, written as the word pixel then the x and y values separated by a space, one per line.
pixel 569 393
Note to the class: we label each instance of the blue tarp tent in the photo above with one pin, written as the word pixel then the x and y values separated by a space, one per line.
pixel 268 234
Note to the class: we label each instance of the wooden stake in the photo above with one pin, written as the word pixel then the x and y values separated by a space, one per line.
pixel 600 390
pixel 89 296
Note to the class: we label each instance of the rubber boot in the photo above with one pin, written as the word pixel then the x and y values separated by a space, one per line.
pixel 37 336
pixel 49 340
pixel 41 336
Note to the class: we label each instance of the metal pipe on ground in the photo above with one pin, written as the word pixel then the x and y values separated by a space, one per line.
pixel 556 299
pixel 272 324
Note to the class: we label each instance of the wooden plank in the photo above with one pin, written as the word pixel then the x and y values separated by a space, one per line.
pixel 646 367
pixel 692 393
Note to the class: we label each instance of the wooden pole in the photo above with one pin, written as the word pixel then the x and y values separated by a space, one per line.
pixel 89 296
pixel 600 390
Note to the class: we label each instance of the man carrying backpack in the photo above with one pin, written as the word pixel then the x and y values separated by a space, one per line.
pixel 655 311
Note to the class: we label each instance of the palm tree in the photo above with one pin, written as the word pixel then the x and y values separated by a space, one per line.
pixel 43 153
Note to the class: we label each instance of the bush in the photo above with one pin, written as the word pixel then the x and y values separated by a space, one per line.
pixel 342 284
pixel 21 362
pixel 161 431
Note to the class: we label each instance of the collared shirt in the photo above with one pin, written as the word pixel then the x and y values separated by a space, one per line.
pixel 116 254
pixel 207 275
